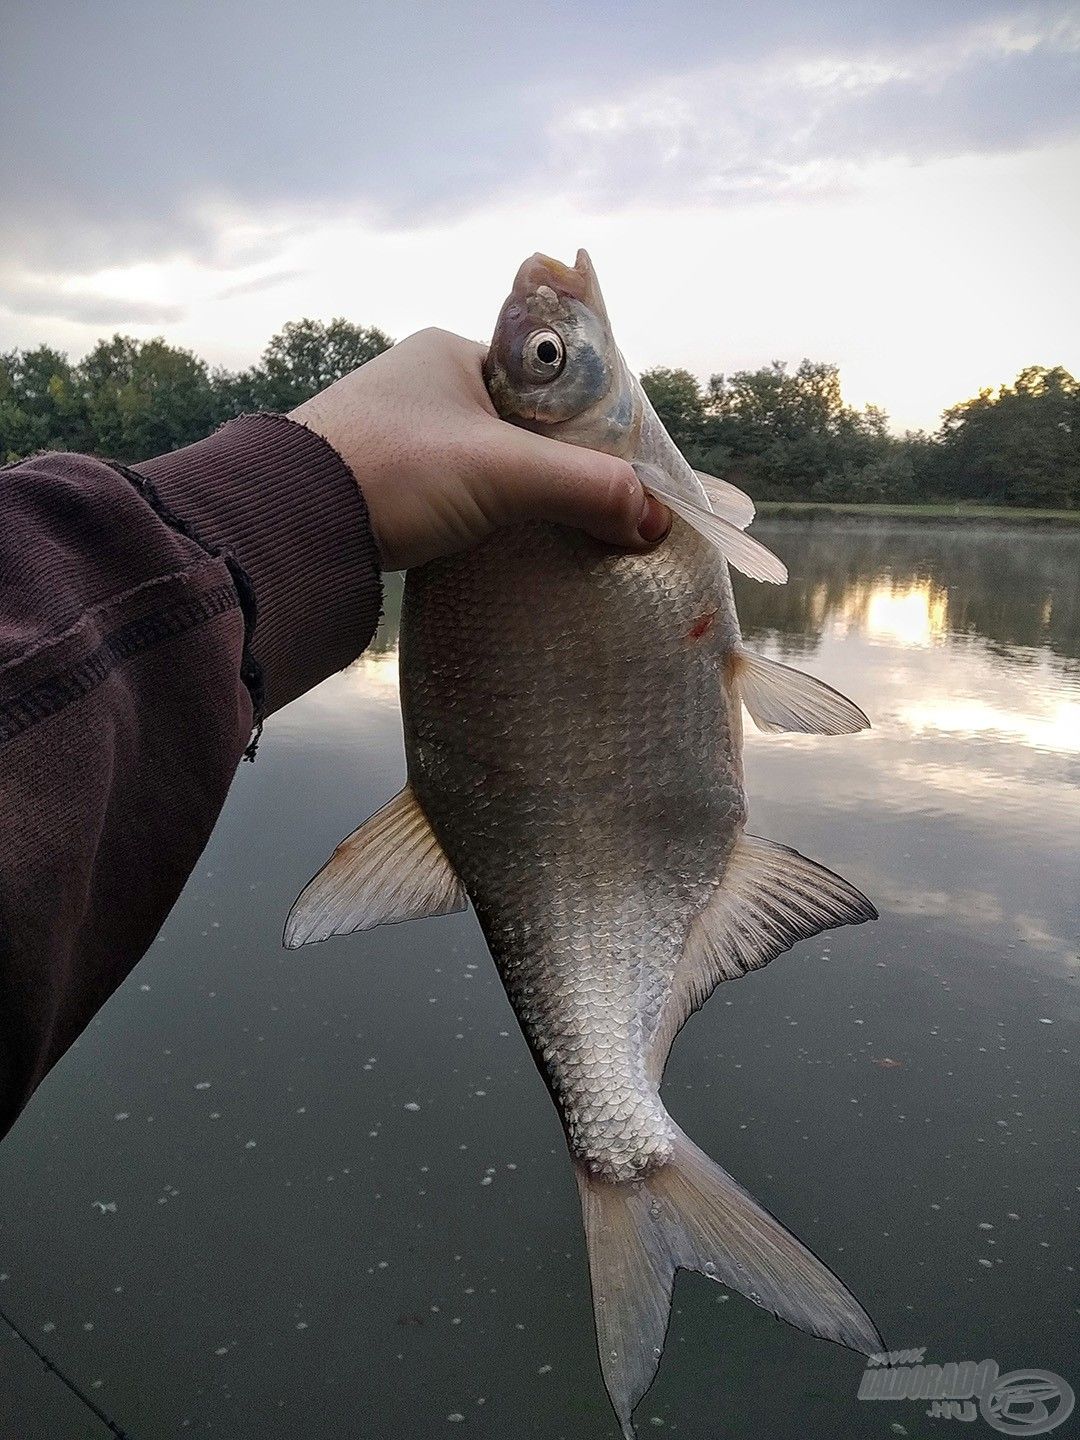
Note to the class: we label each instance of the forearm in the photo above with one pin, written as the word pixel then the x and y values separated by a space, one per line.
pixel 129 680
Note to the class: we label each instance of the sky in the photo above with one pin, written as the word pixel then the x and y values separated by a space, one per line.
pixel 892 185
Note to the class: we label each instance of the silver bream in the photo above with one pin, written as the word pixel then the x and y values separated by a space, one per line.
pixel 573 726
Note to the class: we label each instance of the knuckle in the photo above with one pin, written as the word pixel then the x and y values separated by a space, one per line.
pixel 622 495
pixel 429 336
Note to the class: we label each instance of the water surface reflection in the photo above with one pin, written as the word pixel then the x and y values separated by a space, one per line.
pixel 342 1202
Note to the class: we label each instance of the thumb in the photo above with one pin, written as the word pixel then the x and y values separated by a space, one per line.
pixel 534 478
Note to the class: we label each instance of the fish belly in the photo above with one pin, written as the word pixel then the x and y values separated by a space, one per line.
pixel 573 739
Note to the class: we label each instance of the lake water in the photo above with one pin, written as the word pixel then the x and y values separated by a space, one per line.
pixel 324 1193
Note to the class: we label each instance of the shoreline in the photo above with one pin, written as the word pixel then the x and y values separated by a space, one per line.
pixel 1005 514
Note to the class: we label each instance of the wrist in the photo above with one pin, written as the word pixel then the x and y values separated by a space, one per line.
pixel 281 498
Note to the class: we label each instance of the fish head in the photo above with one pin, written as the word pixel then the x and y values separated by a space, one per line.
pixel 553 365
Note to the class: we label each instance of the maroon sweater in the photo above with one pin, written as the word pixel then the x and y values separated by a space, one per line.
pixel 149 619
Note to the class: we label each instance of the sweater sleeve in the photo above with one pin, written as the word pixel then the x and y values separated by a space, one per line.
pixel 146 617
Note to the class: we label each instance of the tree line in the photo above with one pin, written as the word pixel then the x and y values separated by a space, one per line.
pixel 130 399
pixel 788 435
pixel 781 433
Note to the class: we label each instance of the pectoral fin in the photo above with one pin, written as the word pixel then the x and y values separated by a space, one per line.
pixel 769 897
pixel 780 698
pixel 727 499
pixel 746 554
pixel 392 868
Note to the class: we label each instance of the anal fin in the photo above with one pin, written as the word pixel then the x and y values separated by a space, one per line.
pixel 769 898
pixel 779 697
pixel 392 868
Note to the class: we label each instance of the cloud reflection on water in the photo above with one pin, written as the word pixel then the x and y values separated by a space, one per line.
pixel 961 643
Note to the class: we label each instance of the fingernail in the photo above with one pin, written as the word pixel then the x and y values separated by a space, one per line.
pixel 655 520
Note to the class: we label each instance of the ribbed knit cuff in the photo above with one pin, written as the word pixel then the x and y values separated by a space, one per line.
pixel 283 502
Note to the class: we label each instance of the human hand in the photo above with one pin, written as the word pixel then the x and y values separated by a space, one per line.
pixel 440 470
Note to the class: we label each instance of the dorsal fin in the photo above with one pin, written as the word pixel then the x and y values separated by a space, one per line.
pixel 391 868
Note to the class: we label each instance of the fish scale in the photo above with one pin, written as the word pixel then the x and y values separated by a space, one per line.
pixel 591 908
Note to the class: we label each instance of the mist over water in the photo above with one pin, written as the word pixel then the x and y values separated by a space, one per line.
pixel 324 1192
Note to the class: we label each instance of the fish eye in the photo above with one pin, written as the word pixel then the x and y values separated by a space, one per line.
pixel 543 354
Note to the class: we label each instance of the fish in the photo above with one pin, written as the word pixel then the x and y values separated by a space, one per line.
pixel 573 729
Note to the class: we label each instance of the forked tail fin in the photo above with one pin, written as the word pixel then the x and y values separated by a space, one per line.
pixel 690 1214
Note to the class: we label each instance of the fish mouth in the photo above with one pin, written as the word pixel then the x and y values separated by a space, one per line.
pixel 570 282
pixel 542 269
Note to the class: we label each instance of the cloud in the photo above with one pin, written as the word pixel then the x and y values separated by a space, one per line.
pixel 128 135
pixel 219 171
pixel 46 303
pixel 805 125
pixel 258 284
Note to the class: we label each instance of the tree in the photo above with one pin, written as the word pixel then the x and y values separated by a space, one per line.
pixel 789 434
pixel 1018 446
pixel 144 397
pixel 41 407
pixel 677 398
pixel 237 392
pixel 306 356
